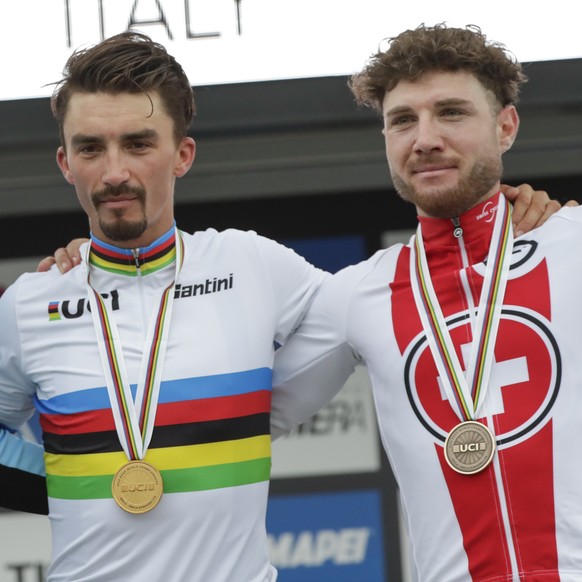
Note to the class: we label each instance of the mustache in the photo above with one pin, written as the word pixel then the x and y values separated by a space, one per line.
pixel 110 192
pixel 432 160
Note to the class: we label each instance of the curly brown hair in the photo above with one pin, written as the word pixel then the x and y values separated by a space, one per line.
pixel 129 62
pixel 413 53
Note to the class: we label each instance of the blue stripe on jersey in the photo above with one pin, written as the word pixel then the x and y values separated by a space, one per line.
pixel 218 385
pixel 171 391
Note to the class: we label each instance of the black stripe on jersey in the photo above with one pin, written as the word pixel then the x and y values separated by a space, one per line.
pixel 105 441
pixel 213 431
pixel 176 435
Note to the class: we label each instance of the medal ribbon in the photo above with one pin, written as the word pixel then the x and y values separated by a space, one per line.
pixel 134 429
pixel 466 392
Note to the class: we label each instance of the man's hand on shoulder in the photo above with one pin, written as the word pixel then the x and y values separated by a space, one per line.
pixel 531 208
pixel 65 257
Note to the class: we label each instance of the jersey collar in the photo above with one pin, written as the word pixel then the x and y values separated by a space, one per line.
pixel 131 262
pixel 476 227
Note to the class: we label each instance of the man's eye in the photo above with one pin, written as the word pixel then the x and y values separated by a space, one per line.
pixel 88 150
pixel 401 120
pixel 453 112
pixel 138 145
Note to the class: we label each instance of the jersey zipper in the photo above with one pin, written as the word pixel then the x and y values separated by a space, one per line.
pixel 458 234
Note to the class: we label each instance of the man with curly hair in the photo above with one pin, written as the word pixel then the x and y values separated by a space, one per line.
pixel 470 336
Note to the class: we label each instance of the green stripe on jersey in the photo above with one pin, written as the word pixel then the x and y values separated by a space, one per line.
pixel 175 480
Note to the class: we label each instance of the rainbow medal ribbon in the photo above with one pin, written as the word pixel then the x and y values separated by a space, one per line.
pixel 137 486
pixel 470 446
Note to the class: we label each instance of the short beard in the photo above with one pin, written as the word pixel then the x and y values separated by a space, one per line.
pixel 456 200
pixel 121 230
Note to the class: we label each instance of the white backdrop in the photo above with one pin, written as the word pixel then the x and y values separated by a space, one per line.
pixel 277 39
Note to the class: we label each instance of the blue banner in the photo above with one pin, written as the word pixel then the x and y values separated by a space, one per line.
pixel 327 536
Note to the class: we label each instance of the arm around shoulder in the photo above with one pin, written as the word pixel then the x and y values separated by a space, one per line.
pixel 312 367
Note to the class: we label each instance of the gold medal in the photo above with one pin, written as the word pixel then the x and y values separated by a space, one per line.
pixel 469 447
pixel 137 487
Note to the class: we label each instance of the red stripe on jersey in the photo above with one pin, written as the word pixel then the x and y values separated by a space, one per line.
pixel 476 503
pixel 182 412
pixel 214 408
pixel 78 423
pixel 530 499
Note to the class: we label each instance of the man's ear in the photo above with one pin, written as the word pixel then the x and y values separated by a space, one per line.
pixel 507 126
pixel 186 155
pixel 63 164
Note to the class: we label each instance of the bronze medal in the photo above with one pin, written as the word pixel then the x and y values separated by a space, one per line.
pixel 137 487
pixel 469 447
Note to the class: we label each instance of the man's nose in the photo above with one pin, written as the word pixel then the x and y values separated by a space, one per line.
pixel 428 136
pixel 116 171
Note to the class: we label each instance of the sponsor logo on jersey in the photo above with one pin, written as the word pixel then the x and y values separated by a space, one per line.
pixel 75 308
pixel 214 285
pixel 488 213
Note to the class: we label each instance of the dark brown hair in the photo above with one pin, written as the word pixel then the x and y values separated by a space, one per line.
pixel 413 53
pixel 129 62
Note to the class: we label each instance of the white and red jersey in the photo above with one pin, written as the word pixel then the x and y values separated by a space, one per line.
pixel 520 519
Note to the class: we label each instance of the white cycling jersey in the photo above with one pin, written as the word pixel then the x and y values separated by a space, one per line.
pixel 520 519
pixel 236 295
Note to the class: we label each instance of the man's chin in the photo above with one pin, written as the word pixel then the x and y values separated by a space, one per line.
pixel 122 231
pixel 439 203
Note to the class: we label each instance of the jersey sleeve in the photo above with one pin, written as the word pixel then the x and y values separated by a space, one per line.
pixel 295 283
pixel 312 367
pixel 22 473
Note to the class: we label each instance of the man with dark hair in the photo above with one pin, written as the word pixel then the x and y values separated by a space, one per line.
pixel 470 337
pixel 150 363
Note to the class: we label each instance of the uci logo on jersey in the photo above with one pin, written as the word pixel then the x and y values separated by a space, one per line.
pixel 73 309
